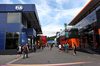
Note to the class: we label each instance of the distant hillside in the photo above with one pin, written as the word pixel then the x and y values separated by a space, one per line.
pixel 51 38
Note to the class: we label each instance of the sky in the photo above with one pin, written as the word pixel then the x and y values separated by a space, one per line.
pixel 53 13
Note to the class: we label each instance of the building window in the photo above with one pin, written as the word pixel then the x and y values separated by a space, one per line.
pixel 13 17
pixel 12 40
pixel 9 34
pixel 12 34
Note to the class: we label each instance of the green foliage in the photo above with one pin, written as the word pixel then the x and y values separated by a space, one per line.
pixel 17 43
pixel 65 24
pixel 40 42
pixel 51 38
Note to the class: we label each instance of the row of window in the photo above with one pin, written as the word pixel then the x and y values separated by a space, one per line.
pixel 9 34
pixel 14 17
pixel 11 17
pixel 94 8
pixel 87 20
pixel 12 34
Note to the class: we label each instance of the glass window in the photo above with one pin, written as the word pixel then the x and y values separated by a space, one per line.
pixel 13 17
pixel 24 21
pixel 12 34
pixel 9 34
pixel 12 40
pixel 87 20
pixel 11 43
pixel 16 34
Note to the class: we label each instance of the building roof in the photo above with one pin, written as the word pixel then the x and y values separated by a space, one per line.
pixel 33 21
pixel 27 10
pixel 91 5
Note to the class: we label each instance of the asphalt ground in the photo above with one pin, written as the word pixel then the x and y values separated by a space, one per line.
pixel 52 57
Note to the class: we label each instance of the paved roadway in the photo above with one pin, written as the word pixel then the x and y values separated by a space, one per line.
pixel 53 56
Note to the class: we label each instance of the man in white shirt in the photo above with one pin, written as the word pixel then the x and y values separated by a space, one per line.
pixel 59 47
pixel 19 50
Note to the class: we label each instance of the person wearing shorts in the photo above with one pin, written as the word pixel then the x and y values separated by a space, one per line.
pixel 19 50
pixel 59 47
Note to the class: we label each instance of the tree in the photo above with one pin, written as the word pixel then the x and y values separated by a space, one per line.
pixel 40 42
pixel 51 38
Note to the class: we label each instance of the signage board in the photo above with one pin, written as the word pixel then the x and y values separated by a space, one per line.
pixel 19 7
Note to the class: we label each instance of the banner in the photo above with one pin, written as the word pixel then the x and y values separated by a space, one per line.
pixel 67 34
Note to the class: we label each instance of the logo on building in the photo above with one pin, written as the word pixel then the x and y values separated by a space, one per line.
pixel 19 7
pixel 23 40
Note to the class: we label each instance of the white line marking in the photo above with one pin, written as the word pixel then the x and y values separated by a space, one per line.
pixel 59 64
pixel 13 61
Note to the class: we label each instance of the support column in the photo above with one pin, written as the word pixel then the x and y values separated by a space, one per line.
pixel 94 41
pixel 94 37
pixel 99 35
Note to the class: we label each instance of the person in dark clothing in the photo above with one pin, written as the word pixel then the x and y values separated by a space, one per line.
pixel 25 51
pixel 19 50
pixel 64 47
pixel 34 47
pixel 51 45
pixel 42 46
pixel 74 48
pixel 39 46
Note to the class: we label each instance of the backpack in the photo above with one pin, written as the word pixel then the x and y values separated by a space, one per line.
pixel 25 49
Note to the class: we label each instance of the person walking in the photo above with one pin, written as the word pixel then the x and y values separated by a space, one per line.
pixel 74 49
pixel 19 50
pixel 34 47
pixel 64 47
pixel 25 51
pixel 51 46
pixel 67 47
pixel 42 46
pixel 59 48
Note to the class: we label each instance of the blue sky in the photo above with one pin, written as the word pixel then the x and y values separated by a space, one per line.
pixel 53 13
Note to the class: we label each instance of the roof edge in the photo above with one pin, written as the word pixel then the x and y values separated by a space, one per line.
pixel 80 11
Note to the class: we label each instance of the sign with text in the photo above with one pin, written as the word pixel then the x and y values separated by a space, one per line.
pixel 67 34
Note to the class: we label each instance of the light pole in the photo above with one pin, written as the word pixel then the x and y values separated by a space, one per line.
pixel 57 36
pixel 60 35
pixel 94 36
pixel 65 24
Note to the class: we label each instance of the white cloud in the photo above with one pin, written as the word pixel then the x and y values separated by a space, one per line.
pixel 52 13
pixel 52 18
pixel 22 1
pixel 6 2
pixel 51 29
